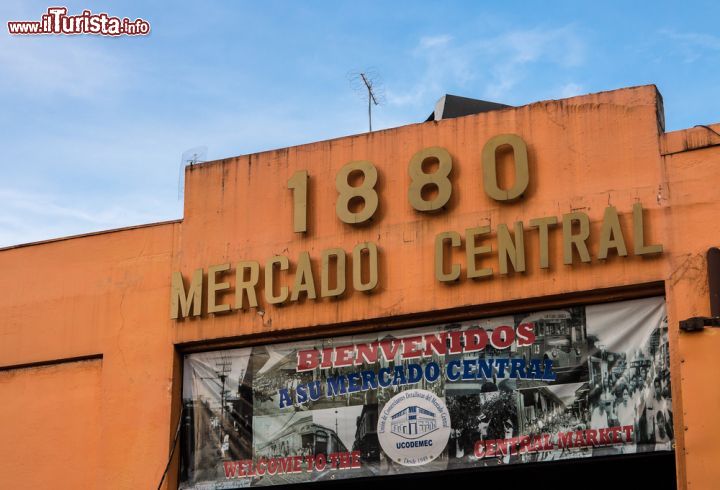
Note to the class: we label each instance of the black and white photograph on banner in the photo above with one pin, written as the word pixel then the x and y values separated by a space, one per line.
pixel 467 384
pixel 323 434
pixel 560 337
pixel 366 438
pixel 567 383
pixel 630 372
pixel 554 409
pixel 278 385
pixel 491 414
pixel 217 412
pixel 274 369
pixel 404 370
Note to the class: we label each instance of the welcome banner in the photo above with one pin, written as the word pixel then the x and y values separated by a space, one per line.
pixel 576 382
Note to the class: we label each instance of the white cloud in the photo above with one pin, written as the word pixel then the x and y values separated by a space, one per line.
pixel 692 46
pixel 126 173
pixel 495 64
pixel 434 41
pixel 48 66
pixel 28 216
pixel 571 90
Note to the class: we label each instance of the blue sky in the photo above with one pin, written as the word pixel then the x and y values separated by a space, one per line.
pixel 92 129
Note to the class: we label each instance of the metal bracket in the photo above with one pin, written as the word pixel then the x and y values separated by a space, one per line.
pixel 698 323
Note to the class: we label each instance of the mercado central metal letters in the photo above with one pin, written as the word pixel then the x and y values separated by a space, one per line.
pixel 429 192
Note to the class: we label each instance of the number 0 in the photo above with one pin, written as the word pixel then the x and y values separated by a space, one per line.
pixel 489 164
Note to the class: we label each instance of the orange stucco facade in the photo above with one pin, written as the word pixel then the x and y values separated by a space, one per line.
pixel 90 356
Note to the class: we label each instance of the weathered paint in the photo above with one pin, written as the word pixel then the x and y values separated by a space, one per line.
pixel 108 294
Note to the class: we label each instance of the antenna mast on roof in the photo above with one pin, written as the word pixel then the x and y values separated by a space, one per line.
pixel 189 158
pixel 369 81
pixel 371 98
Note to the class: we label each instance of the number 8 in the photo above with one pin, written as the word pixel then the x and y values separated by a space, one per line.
pixel 438 178
pixel 365 191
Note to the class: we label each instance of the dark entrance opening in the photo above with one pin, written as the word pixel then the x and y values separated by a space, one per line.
pixel 654 471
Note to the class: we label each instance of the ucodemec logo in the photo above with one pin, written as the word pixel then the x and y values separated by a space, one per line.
pixel 414 427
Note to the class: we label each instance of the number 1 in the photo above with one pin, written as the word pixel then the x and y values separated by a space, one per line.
pixel 298 184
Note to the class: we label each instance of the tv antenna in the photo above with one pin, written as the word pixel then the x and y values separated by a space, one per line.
pixel 369 84
pixel 189 158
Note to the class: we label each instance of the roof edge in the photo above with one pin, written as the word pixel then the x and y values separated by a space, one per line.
pixel 658 102
pixel 92 233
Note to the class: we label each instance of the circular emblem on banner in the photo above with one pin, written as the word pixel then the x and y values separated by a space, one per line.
pixel 414 427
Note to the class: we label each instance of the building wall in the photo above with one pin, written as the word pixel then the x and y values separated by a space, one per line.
pixel 101 295
pixel 691 160
pixel 50 419
pixel 107 296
